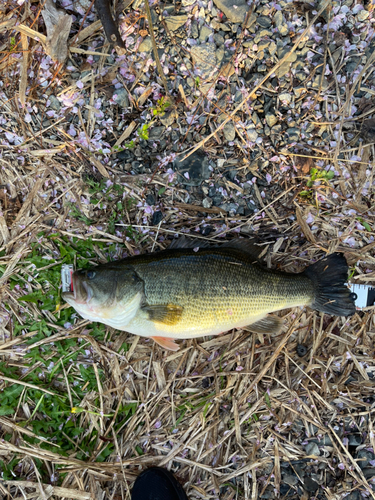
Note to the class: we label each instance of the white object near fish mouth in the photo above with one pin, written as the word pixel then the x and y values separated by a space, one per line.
pixel 67 278
pixel 365 295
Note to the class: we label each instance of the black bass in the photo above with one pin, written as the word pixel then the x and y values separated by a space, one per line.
pixel 182 293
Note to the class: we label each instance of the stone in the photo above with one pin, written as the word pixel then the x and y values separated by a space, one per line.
pixel 363 458
pixel 362 15
pixel 310 485
pixel 122 98
pixel 150 199
pixel 194 29
pixel 218 39
pixel 229 131
pixel 290 479
pixel 252 134
pixel 54 103
pixel 264 21
pixel 156 133
pixel 294 134
pixel 169 117
pixel 157 217
pixel 193 170
pixel 235 10
pixel 312 449
pixel 355 439
pixel 204 59
pixel 205 33
pixel 271 119
pixel 145 45
pixel 175 22
pixel 280 23
pixel 285 97
pixel 207 202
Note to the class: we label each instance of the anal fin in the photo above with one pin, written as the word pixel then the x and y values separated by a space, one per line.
pixel 269 324
pixel 167 343
pixel 168 314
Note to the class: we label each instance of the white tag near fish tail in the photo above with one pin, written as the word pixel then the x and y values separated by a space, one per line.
pixel 67 278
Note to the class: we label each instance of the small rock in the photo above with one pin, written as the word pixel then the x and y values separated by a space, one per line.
pixel 204 59
pixel 271 119
pixel 285 98
pixel 169 117
pixel 310 485
pixel 207 202
pixel 205 33
pixel 194 29
pixel 193 170
pixel 122 98
pixel 264 21
pixel 293 134
pixel 229 131
pixel 312 449
pixel 54 103
pixel 362 15
pixel 145 45
pixel 290 479
pixel 156 133
pixel 218 39
pixel 175 22
pixel 150 199
pixel 252 134
pixel 355 439
pixel 363 458
pixel 157 217
pixel 280 23
pixel 235 10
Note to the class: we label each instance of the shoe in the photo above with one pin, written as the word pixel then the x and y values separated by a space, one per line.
pixel 156 483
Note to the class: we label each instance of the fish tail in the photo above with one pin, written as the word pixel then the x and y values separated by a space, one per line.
pixel 329 276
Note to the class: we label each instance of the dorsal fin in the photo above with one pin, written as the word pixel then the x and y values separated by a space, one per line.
pixel 246 245
pixel 184 242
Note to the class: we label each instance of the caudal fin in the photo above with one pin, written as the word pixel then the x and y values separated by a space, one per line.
pixel 329 276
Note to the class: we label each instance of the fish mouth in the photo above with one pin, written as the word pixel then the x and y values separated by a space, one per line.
pixel 81 292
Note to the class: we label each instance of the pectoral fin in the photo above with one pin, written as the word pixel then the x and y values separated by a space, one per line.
pixel 269 324
pixel 167 343
pixel 168 314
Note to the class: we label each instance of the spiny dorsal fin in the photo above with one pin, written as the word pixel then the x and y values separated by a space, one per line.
pixel 169 314
pixel 184 242
pixel 245 245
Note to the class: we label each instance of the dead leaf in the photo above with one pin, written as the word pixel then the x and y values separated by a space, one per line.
pixel 58 28
pixel 304 164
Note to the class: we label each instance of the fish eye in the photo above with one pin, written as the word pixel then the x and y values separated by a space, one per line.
pixel 353 296
pixel 90 274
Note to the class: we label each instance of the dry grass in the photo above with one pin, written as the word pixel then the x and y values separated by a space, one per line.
pixel 229 415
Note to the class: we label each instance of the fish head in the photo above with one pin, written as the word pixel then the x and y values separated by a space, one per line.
pixel 105 293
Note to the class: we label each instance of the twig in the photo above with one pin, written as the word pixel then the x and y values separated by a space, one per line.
pixel 110 28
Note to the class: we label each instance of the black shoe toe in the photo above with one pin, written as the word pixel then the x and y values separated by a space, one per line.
pixel 156 483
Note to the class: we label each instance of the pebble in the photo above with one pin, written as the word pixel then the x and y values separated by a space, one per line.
pixel 145 45
pixel 301 350
pixel 310 485
pixel 156 133
pixel 150 199
pixel 194 29
pixel 207 202
pixel 205 33
pixel 235 10
pixel 264 21
pixel 271 119
pixel 175 22
pixel 169 117
pixel 218 39
pixel 280 23
pixel 312 449
pixel 290 479
pixel 157 217
pixel 363 15
pixel 204 59
pixel 355 439
pixel 196 168
pixel 285 98
pixel 122 98
pixel 229 131
pixel 54 103
pixel 252 134
pixel 363 458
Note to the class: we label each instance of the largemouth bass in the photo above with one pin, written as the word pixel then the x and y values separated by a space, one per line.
pixel 182 293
